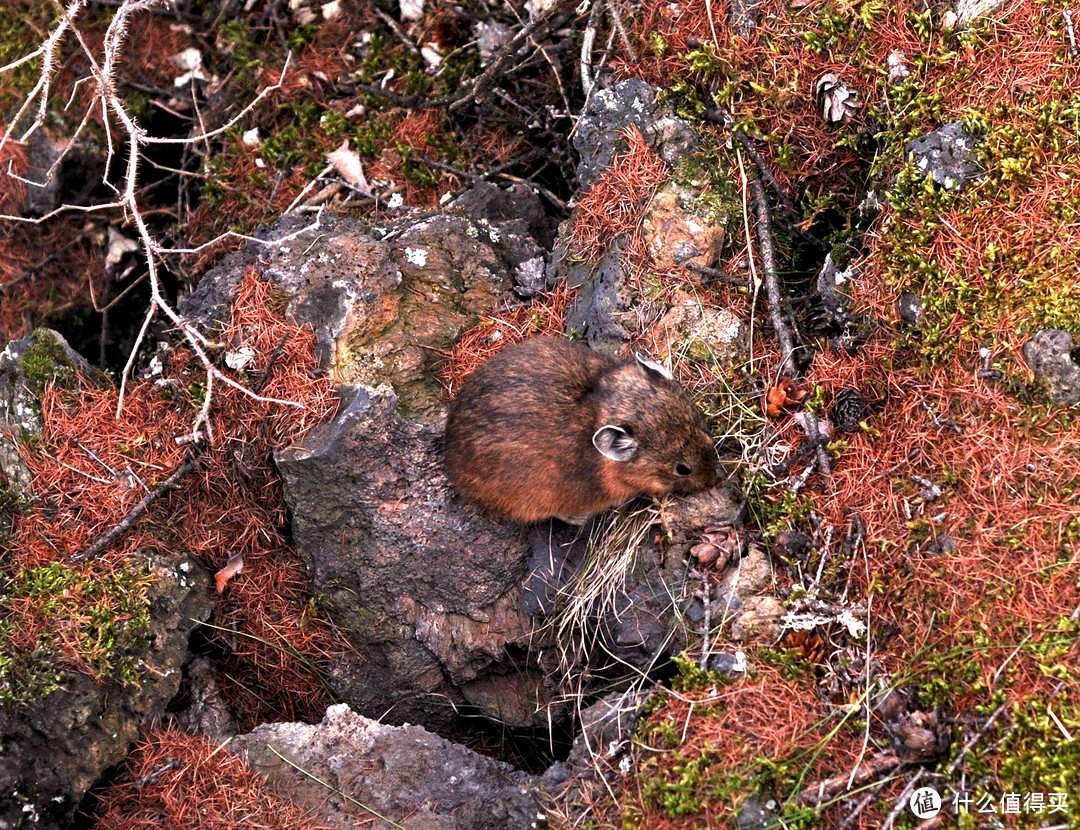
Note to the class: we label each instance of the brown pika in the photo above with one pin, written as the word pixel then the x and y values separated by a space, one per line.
pixel 548 427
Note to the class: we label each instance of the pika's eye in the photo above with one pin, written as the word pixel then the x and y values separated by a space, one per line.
pixel 682 469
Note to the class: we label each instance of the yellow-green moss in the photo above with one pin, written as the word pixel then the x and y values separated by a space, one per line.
pixel 107 617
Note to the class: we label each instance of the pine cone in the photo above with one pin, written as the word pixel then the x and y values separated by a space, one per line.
pixel 849 407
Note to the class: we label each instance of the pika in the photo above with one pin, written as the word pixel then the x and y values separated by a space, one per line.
pixel 549 427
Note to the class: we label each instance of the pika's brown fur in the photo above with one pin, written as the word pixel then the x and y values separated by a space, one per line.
pixel 534 432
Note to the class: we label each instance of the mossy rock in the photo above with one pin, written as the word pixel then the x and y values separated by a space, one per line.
pixel 27 367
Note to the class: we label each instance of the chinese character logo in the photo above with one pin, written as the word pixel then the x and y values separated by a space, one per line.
pixel 925 802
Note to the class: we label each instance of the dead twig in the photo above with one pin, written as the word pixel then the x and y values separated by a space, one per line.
pixel 767 251
pixel 725 119
pixel 399 33
pixel 191 461
pixel 974 739
pixel 482 84
pixel 1067 14
pixel 824 791
pixel 715 274
pixel 902 800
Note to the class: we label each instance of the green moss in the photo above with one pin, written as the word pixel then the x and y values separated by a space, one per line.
pixel 46 361
pixel 105 618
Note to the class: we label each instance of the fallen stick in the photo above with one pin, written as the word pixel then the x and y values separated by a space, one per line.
pixel 767 250
pixel 191 461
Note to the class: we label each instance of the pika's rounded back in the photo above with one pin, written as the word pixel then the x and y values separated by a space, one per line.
pixel 548 427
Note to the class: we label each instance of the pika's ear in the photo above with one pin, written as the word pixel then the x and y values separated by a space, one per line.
pixel 653 368
pixel 615 443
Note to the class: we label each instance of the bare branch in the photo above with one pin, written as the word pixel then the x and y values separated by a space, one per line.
pixel 103 74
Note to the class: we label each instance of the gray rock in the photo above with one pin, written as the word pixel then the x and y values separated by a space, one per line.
pixel 402 773
pixel 388 303
pixel 444 607
pixel 73 179
pixel 910 309
pixel 743 16
pixel 728 663
pixel 608 726
pixel 753 815
pixel 834 288
pixel 1054 356
pixel 947 154
pixel 968 11
pixel 599 137
pixel 598 312
pixel 55 751
pixel 490 38
pixel 429 589
pixel 516 209
pixel 204 710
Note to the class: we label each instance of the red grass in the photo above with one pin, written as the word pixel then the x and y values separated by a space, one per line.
pixel 233 504
pixel 175 780
pixel 613 206
pixel 545 315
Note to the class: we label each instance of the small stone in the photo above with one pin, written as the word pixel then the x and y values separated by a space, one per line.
pixel 791 544
pixel 411 10
pixel 944 545
pixel 678 231
pixel 728 662
pixel 490 38
pixel 947 154
pixel 753 815
pixel 898 67
pixel 759 621
pixel 910 309
pixel 834 288
pixel 702 331
pixel 1054 357
pixel 969 10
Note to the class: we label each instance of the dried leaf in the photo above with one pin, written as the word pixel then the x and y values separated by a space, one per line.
pixel 240 358
pixel 785 394
pixel 347 163
pixel 234 567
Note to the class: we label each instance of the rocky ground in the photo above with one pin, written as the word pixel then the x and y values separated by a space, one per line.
pixel 236 587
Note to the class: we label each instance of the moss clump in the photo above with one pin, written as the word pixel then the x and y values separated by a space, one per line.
pixel 92 623
pixel 46 361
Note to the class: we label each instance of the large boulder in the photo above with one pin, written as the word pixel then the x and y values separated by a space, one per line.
pixel 601 132
pixel 26 366
pixel 387 302
pixel 428 589
pixel 61 729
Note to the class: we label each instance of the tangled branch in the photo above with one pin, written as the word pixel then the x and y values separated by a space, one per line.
pixel 102 77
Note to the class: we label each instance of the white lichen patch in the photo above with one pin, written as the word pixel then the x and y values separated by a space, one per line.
pixel 416 256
